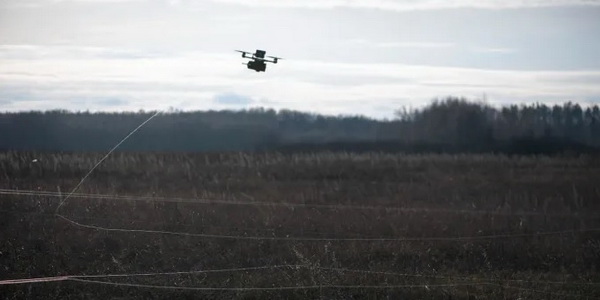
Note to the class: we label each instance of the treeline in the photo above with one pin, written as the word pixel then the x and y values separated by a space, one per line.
pixel 455 124
pixel 254 129
pixel 448 125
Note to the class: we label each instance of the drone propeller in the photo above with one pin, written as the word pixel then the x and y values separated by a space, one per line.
pixel 245 54
pixel 274 57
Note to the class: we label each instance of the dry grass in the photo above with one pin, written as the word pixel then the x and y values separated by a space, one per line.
pixel 453 195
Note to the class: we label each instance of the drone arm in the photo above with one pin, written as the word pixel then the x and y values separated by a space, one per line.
pixel 275 59
pixel 271 61
pixel 244 53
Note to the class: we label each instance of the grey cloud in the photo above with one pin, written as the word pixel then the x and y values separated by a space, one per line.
pixel 232 99
pixel 14 94
pixel 593 99
pixel 590 78
pixel 493 50
pixel 412 4
pixel 71 52
pixel 26 75
pixel 403 44
pixel 111 101
pixel 329 4
pixel 5 100
pixel 463 85
pixel 85 102
pixel 341 80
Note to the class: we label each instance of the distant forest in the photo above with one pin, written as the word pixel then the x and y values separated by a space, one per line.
pixel 450 125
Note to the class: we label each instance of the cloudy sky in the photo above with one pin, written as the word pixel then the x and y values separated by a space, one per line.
pixel 365 57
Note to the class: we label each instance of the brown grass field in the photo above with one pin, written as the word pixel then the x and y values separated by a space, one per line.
pixel 323 225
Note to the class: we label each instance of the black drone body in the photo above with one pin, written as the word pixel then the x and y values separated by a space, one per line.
pixel 257 60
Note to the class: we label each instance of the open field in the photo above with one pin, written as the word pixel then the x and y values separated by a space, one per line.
pixel 324 225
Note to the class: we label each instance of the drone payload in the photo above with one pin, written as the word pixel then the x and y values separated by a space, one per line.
pixel 257 60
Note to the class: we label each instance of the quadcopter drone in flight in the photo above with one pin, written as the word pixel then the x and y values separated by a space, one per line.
pixel 258 60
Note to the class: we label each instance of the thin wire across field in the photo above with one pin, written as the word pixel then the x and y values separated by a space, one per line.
pixel 213 201
pixel 339 239
pixel 102 159
pixel 289 266
pixel 457 281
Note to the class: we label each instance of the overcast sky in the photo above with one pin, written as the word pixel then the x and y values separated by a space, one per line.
pixel 365 57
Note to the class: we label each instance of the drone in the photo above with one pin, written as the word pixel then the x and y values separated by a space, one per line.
pixel 258 60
